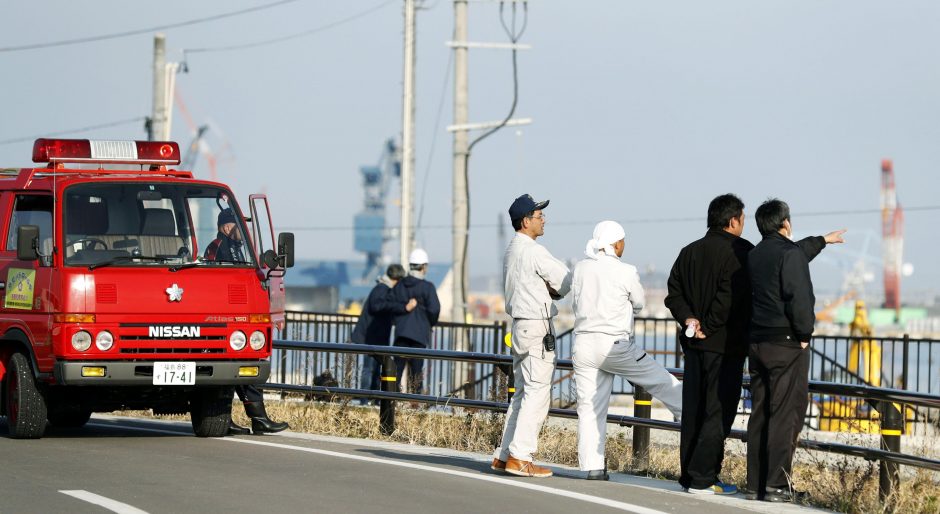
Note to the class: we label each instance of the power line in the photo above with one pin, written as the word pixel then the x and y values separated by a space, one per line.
pixel 74 131
pixel 632 221
pixel 305 33
pixel 90 39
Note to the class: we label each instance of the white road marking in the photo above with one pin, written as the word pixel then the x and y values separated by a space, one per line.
pixel 629 507
pixel 103 501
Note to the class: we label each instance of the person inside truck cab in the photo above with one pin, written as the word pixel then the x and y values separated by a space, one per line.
pixel 228 246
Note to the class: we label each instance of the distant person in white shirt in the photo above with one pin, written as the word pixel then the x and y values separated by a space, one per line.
pixel 607 295
pixel 532 278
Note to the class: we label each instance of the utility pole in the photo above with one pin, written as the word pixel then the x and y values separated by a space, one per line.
pixel 461 129
pixel 461 137
pixel 408 136
pixel 158 120
pixel 164 81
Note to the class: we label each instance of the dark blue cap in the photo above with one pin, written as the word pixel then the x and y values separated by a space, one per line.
pixel 226 216
pixel 524 205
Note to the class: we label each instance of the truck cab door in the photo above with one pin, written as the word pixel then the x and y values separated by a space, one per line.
pixel 27 299
pixel 262 233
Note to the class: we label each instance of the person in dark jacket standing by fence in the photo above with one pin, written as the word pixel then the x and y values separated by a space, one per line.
pixel 413 329
pixel 782 323
pixel 710 296
pixel 375 322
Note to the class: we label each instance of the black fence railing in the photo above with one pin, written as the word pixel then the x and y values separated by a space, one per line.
pixel 344 369
pixel 890 402
pixel 903 363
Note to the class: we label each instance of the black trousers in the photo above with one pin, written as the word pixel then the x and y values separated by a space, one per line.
pixel 415 366
pixel 711 389
pixel 780 395
pixel 249 394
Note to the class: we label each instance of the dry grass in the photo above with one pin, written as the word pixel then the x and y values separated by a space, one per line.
pixel 845 485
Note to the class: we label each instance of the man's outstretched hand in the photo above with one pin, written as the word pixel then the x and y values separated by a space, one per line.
pixel 834 237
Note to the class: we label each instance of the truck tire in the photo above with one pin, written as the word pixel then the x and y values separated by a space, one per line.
pixel 25 405
pixel 210 411
pixel 68 418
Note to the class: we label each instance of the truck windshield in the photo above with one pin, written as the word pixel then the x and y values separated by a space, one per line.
pixel 153 224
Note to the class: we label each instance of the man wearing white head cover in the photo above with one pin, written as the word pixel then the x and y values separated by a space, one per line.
pixel 607 295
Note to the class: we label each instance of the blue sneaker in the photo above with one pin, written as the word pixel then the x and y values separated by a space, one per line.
pixel 719 488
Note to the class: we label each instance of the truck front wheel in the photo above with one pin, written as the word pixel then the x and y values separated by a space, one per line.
pixel 25 405
pixel 210 411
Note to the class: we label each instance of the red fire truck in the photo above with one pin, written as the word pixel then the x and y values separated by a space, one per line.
pixel 110 299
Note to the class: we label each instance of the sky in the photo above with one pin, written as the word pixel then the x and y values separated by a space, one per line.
pixel 643 112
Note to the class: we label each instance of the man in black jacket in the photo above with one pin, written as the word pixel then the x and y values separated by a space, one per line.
pixel 414 328
pixel 229 247
pixel 710 296
pixel 782 323
pixel 375 322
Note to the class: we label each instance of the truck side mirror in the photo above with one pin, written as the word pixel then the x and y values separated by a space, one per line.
pixel 285 248
pixel 270 260
pixel 27 242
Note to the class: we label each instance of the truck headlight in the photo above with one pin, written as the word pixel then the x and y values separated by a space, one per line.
pixel 257 340
pixel 104 341
pixel 81 340
pixel 237 340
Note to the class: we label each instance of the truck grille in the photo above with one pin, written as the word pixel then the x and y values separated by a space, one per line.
pixel 135 339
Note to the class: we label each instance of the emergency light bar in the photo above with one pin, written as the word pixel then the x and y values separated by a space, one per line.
pixel 119 152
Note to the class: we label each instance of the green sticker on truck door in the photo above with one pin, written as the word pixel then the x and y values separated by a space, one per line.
pixel 19 291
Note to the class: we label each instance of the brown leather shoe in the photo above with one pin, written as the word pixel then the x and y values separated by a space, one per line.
pixel 498 465
pixel 525 468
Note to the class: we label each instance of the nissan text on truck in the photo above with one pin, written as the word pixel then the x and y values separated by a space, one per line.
pixel 108 300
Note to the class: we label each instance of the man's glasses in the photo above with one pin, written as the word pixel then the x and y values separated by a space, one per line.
pixel 539 217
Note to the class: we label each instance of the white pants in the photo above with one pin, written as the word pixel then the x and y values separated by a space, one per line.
pixel 532 368
pixel 597 358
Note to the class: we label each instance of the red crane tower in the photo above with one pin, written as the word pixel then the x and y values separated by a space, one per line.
pixel 892 236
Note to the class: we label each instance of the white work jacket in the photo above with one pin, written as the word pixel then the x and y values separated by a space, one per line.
pixel 528 271
pixel 607 295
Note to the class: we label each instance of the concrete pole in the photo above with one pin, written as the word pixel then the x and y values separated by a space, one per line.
pixel 159 124
pixel 408 136
pixel 461 137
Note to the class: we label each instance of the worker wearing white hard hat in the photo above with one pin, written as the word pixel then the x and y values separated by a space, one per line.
pixel 413 329
pixel 607 295
pixel 417 257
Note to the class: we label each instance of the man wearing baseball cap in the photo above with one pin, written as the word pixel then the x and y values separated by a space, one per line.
pixel 532 279
pixel 229 246
pixel 413 328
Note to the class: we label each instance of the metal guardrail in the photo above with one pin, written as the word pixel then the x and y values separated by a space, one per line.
pixel 839 369
pixel 626 421
pixel 889 456
pixel 815 386
pixel 316 326
pixel 903 362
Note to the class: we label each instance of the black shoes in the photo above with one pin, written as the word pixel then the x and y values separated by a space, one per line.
pixel 778 496
pixel 264 425
pixel 260 422
pixel 235 429
pixel 598 474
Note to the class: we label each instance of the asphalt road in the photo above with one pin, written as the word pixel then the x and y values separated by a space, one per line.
pixel 139 466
